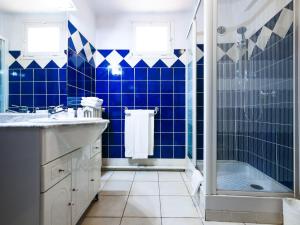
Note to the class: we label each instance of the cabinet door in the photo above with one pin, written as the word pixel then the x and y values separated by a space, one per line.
pixel 80 182
pixel 56 204
pixel 94 176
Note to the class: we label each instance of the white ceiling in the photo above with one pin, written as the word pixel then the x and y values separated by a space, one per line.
pixel 141 6
pixel 35 6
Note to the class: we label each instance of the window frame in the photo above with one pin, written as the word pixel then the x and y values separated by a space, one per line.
pixel 163 54
pixel 30 55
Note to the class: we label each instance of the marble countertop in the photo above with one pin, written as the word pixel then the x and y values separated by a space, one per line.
pixel 46 123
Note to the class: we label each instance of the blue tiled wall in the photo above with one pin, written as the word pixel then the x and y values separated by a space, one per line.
pixel 81 70
pixel 36 86
pixel 144 87
pixel 255 119
pixel 200 104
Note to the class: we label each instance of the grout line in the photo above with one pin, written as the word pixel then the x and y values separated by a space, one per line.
pixel 127 198
pixel 159 197
pixel 197 207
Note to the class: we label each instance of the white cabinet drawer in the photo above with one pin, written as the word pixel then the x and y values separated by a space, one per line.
pixel 55 171
pixel 96 148
pixel 56 204
pixel 94 176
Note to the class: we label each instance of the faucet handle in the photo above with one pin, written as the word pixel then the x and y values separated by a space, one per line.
pixel 35 109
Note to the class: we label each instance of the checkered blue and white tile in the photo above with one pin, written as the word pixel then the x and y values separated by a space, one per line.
pixel 16 60
pixel 80 67
pixel 123 57
pixel 275 29
pixel 36 82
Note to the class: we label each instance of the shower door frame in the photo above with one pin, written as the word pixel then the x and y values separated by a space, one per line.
pixel 193 35
pixel 5 72
pixel 210 116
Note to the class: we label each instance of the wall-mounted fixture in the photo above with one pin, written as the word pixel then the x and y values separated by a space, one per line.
pixel 116 70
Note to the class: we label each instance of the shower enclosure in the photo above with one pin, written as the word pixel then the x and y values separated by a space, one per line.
pixel 255 99
pixel 251 110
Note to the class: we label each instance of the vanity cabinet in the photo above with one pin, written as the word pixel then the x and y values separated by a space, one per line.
pixel 94 176
pixel 50 170
pixel 56 204
pixel 80 182
pixel 78 175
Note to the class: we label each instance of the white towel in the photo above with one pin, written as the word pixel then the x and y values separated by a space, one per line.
pixel 197 180
pixel 151 132
pixel 92 104
pixel 139 133
pixel 92 99
pixel 129 133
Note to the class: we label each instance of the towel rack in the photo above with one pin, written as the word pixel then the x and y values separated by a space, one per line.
pixel 156 110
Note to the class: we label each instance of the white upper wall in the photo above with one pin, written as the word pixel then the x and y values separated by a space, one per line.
pixel 13 29
pixel 141 6
pixel 84 19
pixel 115 31
pixel 4 31
pixel 35 6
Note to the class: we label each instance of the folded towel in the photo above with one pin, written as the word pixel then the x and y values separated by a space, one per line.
pixel 91 103
pixel 92 99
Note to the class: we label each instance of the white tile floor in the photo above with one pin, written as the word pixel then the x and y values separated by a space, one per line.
pixel 145 198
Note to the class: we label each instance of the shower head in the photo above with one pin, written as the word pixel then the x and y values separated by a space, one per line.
pixel 221 30
pixel 241 30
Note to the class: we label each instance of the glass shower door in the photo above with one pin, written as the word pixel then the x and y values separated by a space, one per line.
pixel 255 102
pixel 191 101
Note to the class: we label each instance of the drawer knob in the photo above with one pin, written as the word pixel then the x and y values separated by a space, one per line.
pixel 71 204
pixel 61 170
pixel 92 180
pixel 74 189
pixel 96 147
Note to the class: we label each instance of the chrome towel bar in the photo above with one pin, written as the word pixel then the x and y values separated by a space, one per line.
pixel 156 110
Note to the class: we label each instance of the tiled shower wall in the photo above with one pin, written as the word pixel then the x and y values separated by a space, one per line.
pixel 143 85
pixel 255 109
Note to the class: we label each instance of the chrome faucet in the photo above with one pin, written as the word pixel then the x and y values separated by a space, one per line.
pixel 52 110
pixel 10 111
pixel 21 108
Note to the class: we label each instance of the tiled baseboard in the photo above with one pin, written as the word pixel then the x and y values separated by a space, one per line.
pixel 243 209
pixel 243 217
pixel 146 164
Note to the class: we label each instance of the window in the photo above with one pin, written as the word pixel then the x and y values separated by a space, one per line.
pixel 152 38
pixel 43 39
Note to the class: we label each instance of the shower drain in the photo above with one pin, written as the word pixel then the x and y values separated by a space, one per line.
pixel 256 186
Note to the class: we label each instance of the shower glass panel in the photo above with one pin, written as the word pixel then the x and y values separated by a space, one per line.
pixel 191 95
pixel 3 81
pixel 255 96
